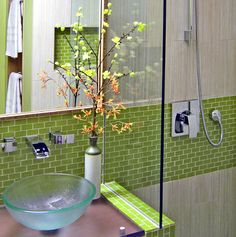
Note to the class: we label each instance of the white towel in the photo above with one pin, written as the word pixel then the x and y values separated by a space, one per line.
pixel 14 29
pixel 14 92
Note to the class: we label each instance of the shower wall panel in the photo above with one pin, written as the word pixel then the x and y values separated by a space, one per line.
pixel 217 39
pixel 203 205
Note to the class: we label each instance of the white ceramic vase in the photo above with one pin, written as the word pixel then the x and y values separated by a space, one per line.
pixel 93 165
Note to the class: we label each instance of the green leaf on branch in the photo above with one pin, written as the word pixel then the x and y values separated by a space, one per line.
pixel 69 73
pixel 116 40
pixel 86 56
pixel 106 24
pixel 118 74
pixel 106 74
pixel 76 55
pixel 79 12
pixel 107 12
pixel 81 43
pixel 80 28
pixel 84 48
pixel 141 27
pixel 66 66
pixel 82 69
pixel 90 73
pixel 132 74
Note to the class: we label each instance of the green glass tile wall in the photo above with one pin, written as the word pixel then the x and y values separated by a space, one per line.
pixel 63 158
pixel 131 159
pixel 167 232
pixel 62 47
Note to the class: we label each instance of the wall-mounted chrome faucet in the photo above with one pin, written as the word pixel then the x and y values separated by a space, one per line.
pixel 38 147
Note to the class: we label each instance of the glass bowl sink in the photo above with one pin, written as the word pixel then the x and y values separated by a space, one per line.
pixel 49 201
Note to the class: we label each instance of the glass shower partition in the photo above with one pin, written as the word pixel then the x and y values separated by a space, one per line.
pixel 136 155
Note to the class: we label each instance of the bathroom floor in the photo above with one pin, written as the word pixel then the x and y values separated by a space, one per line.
pixel 100 220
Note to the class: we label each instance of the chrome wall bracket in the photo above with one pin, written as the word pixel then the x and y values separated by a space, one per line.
pixel 188 34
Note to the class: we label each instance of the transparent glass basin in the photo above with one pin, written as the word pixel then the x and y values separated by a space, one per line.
pixel 49 201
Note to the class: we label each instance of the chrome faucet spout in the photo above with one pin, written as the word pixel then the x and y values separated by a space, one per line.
pixel 39 148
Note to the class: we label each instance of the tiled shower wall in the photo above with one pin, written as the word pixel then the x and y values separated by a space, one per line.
pixel 207 201
pixel 217 43
pixel 132 159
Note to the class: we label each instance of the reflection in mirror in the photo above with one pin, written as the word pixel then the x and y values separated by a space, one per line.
pixel 143 54
pixel 42 43
pixel 52 44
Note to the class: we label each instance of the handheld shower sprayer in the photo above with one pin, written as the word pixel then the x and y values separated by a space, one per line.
pixel 216 115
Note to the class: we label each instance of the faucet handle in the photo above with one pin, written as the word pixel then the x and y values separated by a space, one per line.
pixel 59 138
pixel 185 115
pixel 9 144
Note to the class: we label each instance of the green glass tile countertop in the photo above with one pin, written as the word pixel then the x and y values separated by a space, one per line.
pixel 134 208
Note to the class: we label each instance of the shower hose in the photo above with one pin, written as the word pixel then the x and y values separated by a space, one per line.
pixel 216 116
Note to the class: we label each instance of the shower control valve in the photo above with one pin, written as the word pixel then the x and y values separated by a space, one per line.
pixel 185 118
pixel 180 120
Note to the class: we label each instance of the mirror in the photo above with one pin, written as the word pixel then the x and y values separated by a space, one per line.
pixel 43 42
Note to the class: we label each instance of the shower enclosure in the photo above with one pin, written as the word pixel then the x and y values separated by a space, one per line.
pixel 199 188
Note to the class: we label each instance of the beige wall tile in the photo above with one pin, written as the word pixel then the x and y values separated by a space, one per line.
pixel 217 34
pixel 201 206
